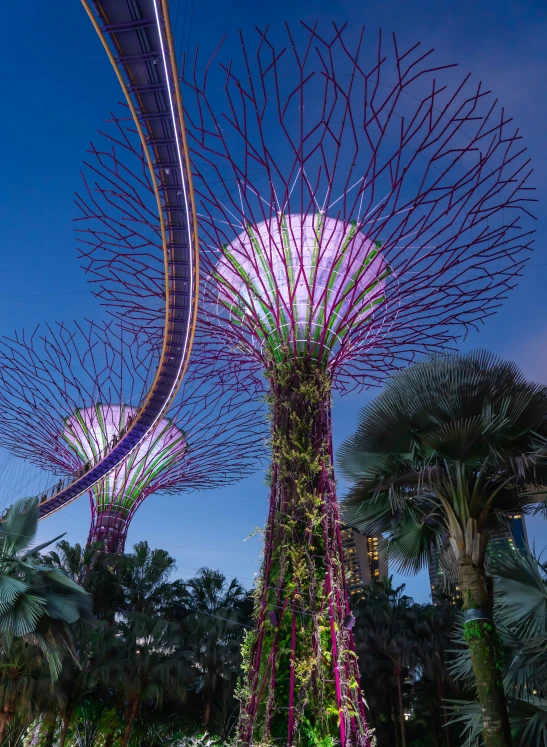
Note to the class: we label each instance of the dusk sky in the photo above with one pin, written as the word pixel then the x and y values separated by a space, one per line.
pixel 58 87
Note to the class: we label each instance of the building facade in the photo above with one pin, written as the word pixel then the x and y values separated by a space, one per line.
pixel 362 561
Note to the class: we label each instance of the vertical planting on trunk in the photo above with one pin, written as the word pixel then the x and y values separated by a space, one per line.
pixel 301 676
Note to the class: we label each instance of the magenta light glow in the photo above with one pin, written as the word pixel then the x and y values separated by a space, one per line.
pixel 90 431
pixel 306 280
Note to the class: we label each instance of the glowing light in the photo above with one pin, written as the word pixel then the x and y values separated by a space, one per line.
pixel 91 431
pixel 307 280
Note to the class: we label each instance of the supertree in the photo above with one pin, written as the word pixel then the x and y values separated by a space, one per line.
pixel 354 213
pixel 68 394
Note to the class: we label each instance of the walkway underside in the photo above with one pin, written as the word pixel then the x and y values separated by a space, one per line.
pixel 137 38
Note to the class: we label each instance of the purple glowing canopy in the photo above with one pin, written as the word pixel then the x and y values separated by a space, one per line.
pixel 90 431
pixel 62 391
pixel 305 281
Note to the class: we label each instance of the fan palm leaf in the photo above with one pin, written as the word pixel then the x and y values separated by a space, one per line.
pixel 521 593
pixel 528 721
pixel 37 602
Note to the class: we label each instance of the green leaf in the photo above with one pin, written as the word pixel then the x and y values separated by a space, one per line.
pixel 521 593
pixel 39 548
pixel 10 589
pixel 19 526
pixel 24 615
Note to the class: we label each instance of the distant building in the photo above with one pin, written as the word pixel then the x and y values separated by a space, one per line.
pixel 514 535
pixel 361 560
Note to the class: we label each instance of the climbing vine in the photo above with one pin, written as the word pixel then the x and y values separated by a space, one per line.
pixel 300 669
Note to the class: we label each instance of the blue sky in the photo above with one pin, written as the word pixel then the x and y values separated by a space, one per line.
pixel 58 88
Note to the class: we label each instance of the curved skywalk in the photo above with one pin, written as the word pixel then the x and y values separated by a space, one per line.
pixel 136 35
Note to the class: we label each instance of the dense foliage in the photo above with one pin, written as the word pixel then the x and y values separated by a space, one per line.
pixel 112 650
pixel 520 612
pixel 37 603
pixel 159 661
pixel 162 659
pixel 403 650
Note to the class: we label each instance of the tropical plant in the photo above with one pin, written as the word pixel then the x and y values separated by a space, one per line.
pixel 403 650
pixel 94 571
pixel 216 617
pixel 143 576
pixel 70 690
pixel 142 660
pixel 37 602
pixel 72 559
pixel 16 734
pixel 21 681
pixel 433 631
pixel 521 616
pixel 95 725
pixel 42 732
pixel 200 740
pixel 387 649
pixel 449 446
pixel 164 656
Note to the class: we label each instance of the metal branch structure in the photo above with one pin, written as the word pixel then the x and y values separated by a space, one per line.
pixel 68 395
pixel 359 205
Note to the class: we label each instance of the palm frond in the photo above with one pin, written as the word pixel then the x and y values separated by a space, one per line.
pixel 526 672
pixel 23 615
pixel 10 589
pixel 467 714
pixel 528 721
pixel 38 548
pixel 60 607
pixel 521 592
pixel 371 517
pixel 411 543
pixel 19 526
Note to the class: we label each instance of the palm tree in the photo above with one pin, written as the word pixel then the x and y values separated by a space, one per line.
pixel 72 559
pixel 16 735
pixel 143 661
pixel 215 615
pixel 144 579
pixel 37 602
pixel 450 445
pixel 433 630
pixel 96 572
pixel 521 608
pixel 95 724
pixel 72 686
pixel 21 681
pixel 386 644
